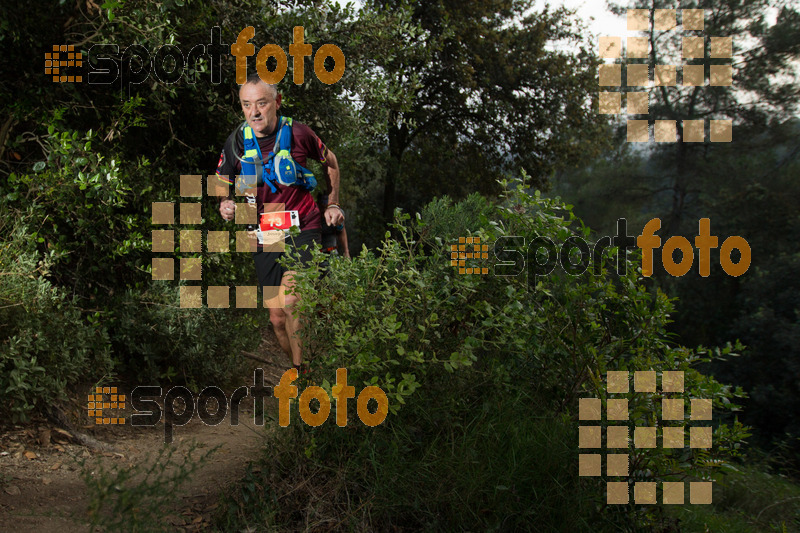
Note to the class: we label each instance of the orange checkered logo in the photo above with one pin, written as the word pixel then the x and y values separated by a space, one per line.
pixel 102 399
pixel 620 442
pixel 195 240
pixel 459 254
pixel 59 60
pixel 701 64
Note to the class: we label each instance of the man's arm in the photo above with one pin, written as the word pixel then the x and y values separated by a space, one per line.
pixel 227 206
pixel 224 179
pixel 333 216
pixel 341 243
pixel 333 177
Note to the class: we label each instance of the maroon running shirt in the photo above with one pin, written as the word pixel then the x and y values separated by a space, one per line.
pixel 305 145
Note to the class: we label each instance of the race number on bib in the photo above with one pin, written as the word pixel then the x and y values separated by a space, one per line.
pixel 274 226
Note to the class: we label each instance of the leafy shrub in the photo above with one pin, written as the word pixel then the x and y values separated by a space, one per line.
pixel 161 340
pixel 483 373
pixel 77 202
pixel 46 341
pixel 76 299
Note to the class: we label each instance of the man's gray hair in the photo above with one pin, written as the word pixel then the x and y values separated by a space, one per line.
pixel 254 78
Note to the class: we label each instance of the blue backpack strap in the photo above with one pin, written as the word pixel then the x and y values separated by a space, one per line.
pixel 279 166
pixel 284 139
pixel 283 147
pixel 252 153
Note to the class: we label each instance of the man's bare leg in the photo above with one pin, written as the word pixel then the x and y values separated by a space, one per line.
pixel 278 319
pixel 286 323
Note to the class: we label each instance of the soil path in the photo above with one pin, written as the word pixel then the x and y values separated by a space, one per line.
pixel 40 485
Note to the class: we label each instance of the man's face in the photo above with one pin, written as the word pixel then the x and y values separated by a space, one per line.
pixel 260 108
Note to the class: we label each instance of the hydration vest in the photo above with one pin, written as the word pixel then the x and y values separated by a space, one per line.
pixel 278 167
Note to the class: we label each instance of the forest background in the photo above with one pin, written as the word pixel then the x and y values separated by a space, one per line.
pixel 442 106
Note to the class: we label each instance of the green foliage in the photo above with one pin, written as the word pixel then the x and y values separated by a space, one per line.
pixel 404 315
pixel 589 325
pixel 67 194
pixel 746 187
pixel 501 466
pixel 46 341
pixel 475 369
pixel 750 186
pixel 769 324
pixel 764 93
pixel 82 164
pixel 437 98
pixel 162 340
pixel 751 499
pixel 137 497
pixel 74 289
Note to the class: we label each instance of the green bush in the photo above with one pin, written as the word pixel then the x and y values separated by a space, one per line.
pixel 483 374
pixel 156 339
pixel 47 341
pixel 76 298
pixel 750 499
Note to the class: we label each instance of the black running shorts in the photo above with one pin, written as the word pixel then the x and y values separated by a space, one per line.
pixel 270 272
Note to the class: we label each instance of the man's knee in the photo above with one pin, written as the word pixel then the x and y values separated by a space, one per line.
pixel 278 318
pixel 290 301
pixel 290 298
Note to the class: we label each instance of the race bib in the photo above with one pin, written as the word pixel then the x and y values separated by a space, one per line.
pixel 275 226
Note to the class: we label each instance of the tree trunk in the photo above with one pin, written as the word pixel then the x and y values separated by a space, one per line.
pixel 398 142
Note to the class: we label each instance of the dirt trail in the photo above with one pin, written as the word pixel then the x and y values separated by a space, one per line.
pixel 40 485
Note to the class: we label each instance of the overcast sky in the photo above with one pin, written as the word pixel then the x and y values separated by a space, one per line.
pixel 604 23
